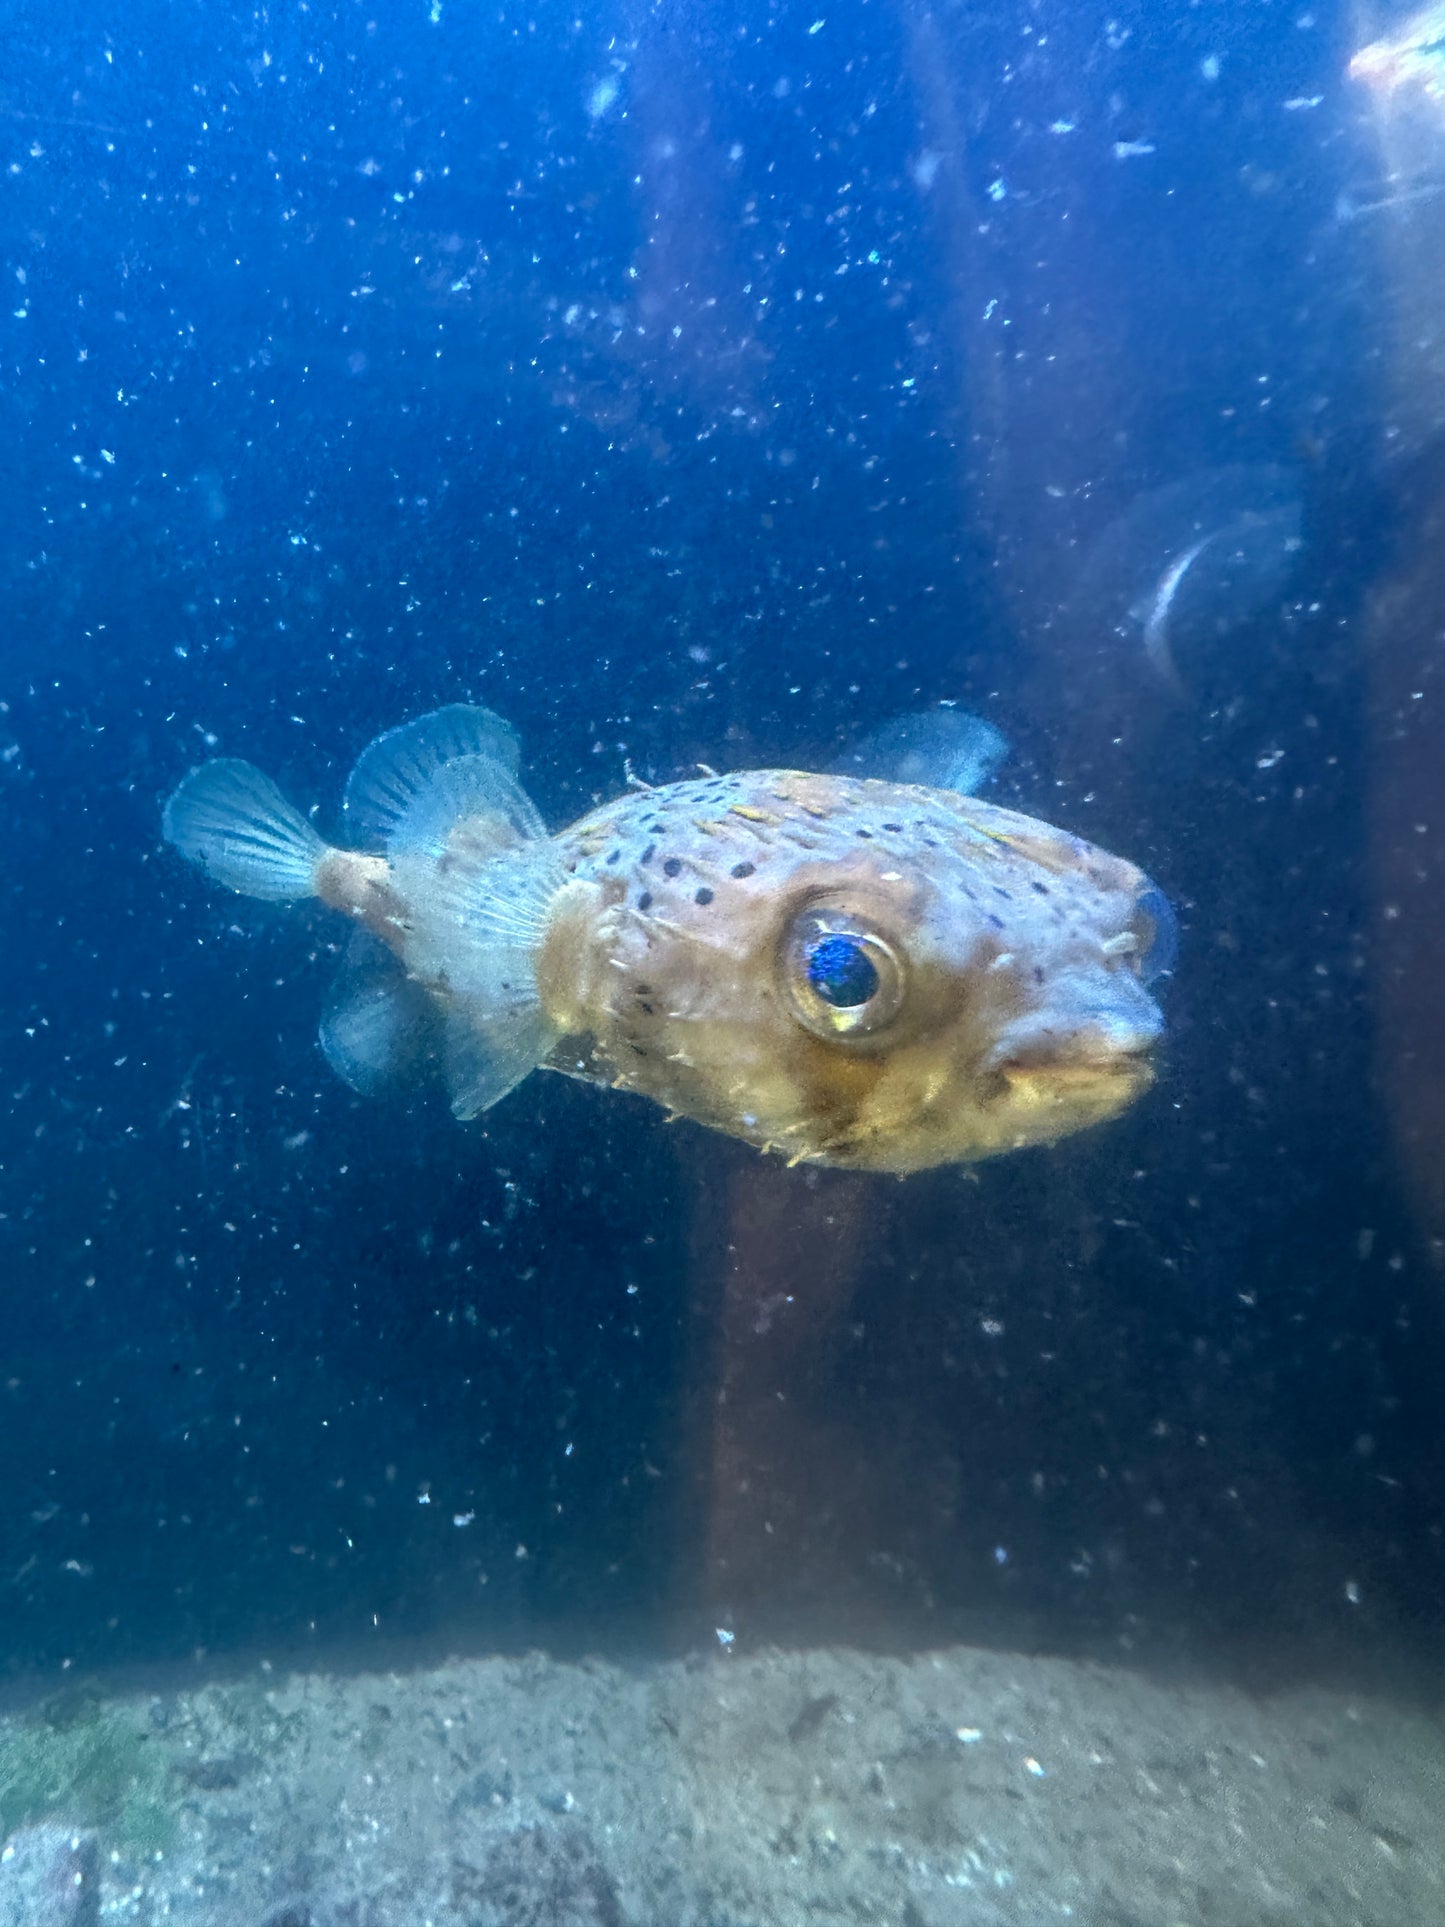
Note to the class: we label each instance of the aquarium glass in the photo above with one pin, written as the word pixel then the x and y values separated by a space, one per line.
pixel 787 1263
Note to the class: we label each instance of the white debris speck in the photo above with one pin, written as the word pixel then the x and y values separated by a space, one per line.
pixel 1209 66
pixel 997 190
pixel 967 1735
pixel 1130 150
pixel 1062 126
pixel 925 168
pixel 817 26
pixel 1031 1765
pixel 603 96
pixel 724 1637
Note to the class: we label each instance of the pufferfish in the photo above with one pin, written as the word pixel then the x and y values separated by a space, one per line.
pixel 846 971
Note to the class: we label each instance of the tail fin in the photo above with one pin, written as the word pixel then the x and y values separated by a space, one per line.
pixel 237 826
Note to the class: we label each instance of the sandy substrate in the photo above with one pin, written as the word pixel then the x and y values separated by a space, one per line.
pixel 958 1789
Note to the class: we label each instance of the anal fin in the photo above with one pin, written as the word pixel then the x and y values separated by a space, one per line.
pixel 379 1026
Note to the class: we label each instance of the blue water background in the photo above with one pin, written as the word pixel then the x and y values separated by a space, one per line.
pixel 684 383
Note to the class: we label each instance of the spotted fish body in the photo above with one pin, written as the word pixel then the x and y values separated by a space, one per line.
pixel 841 970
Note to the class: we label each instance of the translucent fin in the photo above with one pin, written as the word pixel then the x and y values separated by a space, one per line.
pixel 234 822
pixel 946 749
pixel 484 1062
pixel 490 922
pixel 415 783
pixel 378 1025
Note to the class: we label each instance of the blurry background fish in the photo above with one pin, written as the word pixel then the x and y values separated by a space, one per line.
pixel 1188 565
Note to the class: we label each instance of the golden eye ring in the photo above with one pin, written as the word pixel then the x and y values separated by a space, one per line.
pixel 843 978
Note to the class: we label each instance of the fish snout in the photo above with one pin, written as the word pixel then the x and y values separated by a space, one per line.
pixel 1105 1025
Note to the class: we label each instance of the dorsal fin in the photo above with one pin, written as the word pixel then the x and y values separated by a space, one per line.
pixel 413 785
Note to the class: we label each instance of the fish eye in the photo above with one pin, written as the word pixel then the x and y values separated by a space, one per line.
pixel 844 978
pixel 1158 934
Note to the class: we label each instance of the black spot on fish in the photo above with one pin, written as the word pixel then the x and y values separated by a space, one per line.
pixel 864 833
pixel 999 891
pixel 644 902
pixel 1042 888
pixel 672 867
pixel 704 895
pixel 646 1009
pixel 895 827
pixel 613 856
pixel 741 870
pixel 1038 973
pixel 643 990
pixel 648 854
pixel 997 922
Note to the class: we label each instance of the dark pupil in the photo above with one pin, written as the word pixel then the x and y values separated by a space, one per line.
pixel 841 972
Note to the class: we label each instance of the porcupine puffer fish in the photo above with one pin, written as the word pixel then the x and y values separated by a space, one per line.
pixel 846 971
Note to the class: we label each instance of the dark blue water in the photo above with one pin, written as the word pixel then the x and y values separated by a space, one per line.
pixel 685 385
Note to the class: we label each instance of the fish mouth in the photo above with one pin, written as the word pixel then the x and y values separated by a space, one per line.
pixel 1093 1044
pixel 1093 1074
pixel 1125 1075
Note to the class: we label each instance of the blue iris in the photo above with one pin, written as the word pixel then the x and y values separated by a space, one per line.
pixel 842 972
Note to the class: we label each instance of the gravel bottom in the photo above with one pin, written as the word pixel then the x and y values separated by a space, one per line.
pixel 956 1789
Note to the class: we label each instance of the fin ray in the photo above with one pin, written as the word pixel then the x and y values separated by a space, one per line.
pixel 234 823
pixel 486 1059
pixel 490 921
pixel 412 786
